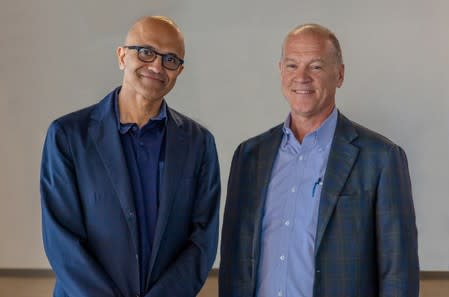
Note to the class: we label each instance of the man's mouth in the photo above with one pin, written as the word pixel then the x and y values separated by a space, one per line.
pixel 303 92
pixel 152 76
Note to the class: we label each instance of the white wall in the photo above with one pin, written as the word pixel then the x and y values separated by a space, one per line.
pixel 58 56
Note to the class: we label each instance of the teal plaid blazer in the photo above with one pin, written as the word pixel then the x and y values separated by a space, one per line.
pixel 366 238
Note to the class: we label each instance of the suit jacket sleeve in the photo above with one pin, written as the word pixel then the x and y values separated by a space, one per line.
pixel 64 233
pixel 230 262
pixel 188 272
pixel 396 232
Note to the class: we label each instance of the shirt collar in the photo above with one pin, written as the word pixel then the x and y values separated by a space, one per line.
pixel 124 128
pixel 322 136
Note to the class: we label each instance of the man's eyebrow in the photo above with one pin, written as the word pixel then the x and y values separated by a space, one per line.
pixel 321 60
pixel 285 59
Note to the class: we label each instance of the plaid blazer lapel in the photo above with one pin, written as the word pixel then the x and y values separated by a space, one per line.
pixel 266 155
pixel 341 160
pixel 265 158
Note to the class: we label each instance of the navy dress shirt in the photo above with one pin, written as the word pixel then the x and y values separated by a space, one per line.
pixel 143 148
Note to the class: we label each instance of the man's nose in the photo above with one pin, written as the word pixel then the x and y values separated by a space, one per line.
pixel 156 65
pixel 302 75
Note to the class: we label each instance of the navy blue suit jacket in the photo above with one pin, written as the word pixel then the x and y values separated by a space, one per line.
pixel 89 218
pixel 366 238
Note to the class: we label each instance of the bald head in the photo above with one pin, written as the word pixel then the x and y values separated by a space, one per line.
pixel 317 30
pixel 161 28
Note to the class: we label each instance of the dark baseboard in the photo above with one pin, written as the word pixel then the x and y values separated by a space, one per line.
pixel 26 273
pixel 436 275
pixel 214 272
pixel 424 275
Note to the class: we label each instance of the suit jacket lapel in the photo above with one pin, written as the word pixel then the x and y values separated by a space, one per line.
pixel 104 133
pixel 265 158
pixel 341 159
pixel 175 156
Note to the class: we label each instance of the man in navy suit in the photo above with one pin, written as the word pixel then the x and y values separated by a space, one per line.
pixel 319 205
pixel 130 187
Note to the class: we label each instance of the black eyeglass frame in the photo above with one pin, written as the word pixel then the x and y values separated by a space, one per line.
pixel 138 48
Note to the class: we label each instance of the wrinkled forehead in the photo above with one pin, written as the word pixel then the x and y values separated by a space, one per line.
pixel 160 34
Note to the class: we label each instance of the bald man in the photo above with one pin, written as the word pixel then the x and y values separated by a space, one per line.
pixel 130 187
pixel 318 206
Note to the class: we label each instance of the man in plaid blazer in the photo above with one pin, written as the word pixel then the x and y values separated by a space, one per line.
pixel 318 206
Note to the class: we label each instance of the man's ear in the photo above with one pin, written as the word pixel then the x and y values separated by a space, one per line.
pixel 341 75
pixel 181 68
pixel 121 57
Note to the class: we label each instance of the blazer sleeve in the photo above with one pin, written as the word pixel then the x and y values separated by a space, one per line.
pixel 228 279
pixel 63 230
pixel 188 272
pixel 398 264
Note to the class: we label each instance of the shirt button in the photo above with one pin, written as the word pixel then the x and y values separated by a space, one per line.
pixel 282 258
pixel 134 128
pixel 293 189
pixel 287 223
pixel 301 158
pixel 280 294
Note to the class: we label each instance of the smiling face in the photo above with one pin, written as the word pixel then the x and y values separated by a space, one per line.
pixel 310 74
pixel 150 80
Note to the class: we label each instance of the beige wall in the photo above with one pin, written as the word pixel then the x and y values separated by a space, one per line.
pixel 58 56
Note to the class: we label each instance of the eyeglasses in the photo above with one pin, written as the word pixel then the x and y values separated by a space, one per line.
pixel 148 54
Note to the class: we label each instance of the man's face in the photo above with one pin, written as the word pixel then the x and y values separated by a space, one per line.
pixel 310 75
pixel 150 80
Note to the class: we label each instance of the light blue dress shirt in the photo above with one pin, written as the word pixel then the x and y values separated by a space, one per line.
pixel 289 224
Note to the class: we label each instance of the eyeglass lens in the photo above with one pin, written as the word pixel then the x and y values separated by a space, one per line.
pixel 169 61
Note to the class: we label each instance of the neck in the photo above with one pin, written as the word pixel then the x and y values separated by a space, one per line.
pixel 137 109
pixel 303 125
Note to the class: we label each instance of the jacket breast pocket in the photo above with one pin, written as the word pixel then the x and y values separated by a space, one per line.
pixel 356 202
pixel 354 210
